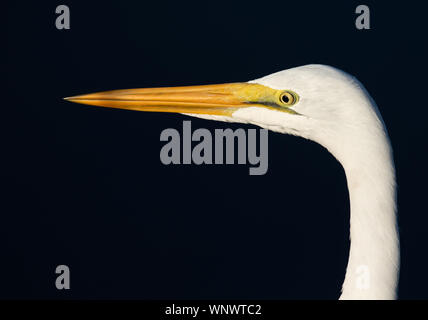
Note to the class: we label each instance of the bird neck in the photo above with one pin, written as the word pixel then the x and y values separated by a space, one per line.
pixel 373 265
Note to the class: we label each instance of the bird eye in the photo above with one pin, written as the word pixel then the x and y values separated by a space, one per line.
pixel 287 98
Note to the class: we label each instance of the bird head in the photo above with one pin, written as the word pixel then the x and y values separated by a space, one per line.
pixel 316 102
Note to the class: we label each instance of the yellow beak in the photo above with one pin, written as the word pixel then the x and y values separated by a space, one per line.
pixel 218 99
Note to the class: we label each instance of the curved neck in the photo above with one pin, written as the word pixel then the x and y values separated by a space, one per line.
pixel 372 271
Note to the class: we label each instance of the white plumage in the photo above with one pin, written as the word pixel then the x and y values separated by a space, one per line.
pixel 338 113
pixel 332 109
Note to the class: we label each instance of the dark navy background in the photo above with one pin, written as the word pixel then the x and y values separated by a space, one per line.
pixel 84 186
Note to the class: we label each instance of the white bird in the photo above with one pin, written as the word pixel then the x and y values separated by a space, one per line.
pixel 330 107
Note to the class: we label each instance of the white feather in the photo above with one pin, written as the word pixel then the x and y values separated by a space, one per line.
pixel 338 113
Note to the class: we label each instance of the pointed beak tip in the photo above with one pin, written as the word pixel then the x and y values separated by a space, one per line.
pixel 70 99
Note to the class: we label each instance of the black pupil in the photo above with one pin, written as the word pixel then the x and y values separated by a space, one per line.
pixel 285 98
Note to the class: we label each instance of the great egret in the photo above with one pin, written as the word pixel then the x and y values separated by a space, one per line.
pixel 323 104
